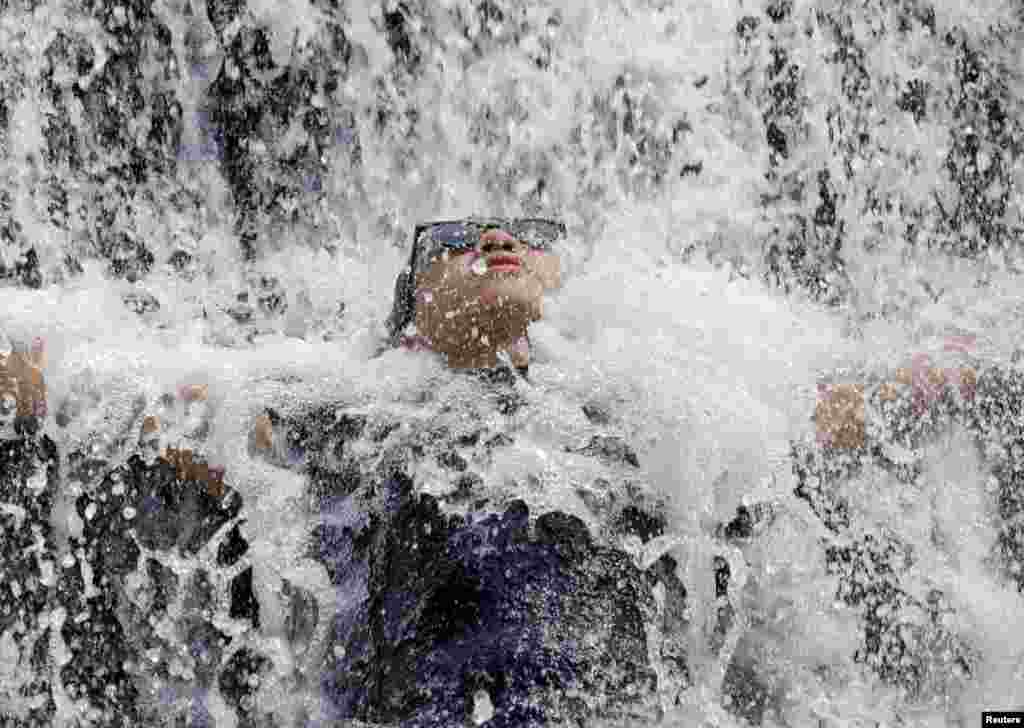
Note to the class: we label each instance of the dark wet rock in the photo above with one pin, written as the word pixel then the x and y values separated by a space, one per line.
pixel 199 593
pixel 328 482
pixel 641 522
pixel 743 692
pixel 163 583
pixel 610 449
pixel 725 613
pixel 244 604
pixel 564 532
pixel 597 413
pixel 129 258
pixel 271 297
pixel 471 439
pixel 382 430
pixel 28 486
pixel 252 105
pixel 302 613
pixel 452 460
pixel 1010 552
pixel 100 650
pixel 115 552
pixel 748 522
pixel 907 641
pixel 27 426
pixel 174 514
pixel 180 260
pixel 199 714
pixel 692 168
pixel 233 547
pixel 25 269
pixel 115 124
pixel 742 526
pixel 240 678
pixel 141 302
pixel 324 429
pixel 509 402
pixel 222 12
pixel 816 473
pixel 466 486
pixel 499 440
pixel 915 656
pixel 241 312
pixel 110 629
pixel 206 645
pixel 420 589
pixel 870 572
pixel 454 608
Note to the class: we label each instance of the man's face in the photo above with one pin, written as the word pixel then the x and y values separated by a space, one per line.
pixel 474 303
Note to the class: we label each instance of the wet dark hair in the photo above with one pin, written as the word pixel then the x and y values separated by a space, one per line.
pixel 403 310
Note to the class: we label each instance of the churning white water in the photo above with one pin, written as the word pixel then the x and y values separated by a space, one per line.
pixel 713 372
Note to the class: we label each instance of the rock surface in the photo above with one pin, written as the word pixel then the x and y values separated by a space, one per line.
pixel 907 640
pixel 114 621
pixel 458 598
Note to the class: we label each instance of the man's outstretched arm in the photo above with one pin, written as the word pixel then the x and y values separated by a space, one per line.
pixel 840 414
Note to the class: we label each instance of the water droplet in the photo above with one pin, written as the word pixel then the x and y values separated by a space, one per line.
pixel 483 708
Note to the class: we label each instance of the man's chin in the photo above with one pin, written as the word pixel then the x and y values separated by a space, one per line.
pixel 507 292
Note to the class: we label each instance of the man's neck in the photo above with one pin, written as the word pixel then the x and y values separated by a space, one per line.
pixel 517 350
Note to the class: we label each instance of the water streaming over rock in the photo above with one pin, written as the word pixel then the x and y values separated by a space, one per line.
pixel 761 197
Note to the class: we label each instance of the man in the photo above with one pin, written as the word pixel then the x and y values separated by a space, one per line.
pixel 497 581
pixel 472 289
pixel 469 292
pixel 472 580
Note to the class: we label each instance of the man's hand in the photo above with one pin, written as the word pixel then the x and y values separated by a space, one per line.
pixel 840 414
pixel 22 385
pixel 187 464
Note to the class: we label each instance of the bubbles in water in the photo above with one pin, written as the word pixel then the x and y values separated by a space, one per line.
pixel 483 709
pixel 644 126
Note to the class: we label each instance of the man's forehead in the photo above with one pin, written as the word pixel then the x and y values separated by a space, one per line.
pixel 497 234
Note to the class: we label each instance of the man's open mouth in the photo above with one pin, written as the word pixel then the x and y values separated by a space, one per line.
pixel 504 264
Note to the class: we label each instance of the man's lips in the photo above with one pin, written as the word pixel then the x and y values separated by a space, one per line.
pixel 503 263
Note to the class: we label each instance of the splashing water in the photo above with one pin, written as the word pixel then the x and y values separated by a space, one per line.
pixel 654 130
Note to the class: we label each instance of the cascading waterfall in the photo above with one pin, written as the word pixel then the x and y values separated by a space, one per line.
pixel 759 197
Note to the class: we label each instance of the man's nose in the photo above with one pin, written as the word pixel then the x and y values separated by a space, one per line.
pixel 493 240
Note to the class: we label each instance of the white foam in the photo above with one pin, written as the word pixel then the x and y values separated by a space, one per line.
pixel 709 375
